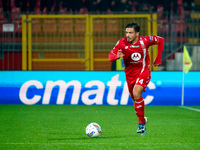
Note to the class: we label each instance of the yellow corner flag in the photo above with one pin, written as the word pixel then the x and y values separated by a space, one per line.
pixel 186 59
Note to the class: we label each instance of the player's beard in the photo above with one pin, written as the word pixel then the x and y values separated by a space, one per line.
pixel 132 41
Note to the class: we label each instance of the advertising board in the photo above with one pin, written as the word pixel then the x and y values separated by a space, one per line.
pixel 94 88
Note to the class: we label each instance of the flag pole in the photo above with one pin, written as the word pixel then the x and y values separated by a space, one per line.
pixel 182 99
pixel 187 64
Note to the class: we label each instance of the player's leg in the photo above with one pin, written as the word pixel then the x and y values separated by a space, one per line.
pixel 139 108
pixel 136 95
pixel 139 88
pixel 139 103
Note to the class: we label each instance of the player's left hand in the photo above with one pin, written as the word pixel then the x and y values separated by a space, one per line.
pixel 156 64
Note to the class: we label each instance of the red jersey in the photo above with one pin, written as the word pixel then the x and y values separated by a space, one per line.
pixel 136 57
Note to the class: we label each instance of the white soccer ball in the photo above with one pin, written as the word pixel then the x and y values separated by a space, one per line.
pixel 93 130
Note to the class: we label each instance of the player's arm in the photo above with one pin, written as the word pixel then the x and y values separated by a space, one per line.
pixel 160 44
pixel 116 53
pixel 159 41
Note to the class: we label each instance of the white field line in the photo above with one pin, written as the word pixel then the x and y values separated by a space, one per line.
pixel 190 108
pixel 99 143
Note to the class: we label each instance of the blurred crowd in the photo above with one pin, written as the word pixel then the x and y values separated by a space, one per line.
pixel 92 6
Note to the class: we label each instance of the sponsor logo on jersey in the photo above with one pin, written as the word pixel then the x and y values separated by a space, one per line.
pixel 134 46
pixel 136 56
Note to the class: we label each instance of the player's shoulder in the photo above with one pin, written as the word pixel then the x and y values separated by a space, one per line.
pixel 121 41
pixel 149 38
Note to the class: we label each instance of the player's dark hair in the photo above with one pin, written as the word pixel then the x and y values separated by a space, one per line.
pixel 133 25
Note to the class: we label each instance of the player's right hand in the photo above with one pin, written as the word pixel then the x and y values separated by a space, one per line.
pixel 120 53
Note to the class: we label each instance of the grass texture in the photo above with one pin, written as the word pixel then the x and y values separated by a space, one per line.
pixel 63 127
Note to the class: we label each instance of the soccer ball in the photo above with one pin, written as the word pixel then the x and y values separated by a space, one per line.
pixel 93 130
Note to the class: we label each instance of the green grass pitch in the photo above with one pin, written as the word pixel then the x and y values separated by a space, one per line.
pixel 63 127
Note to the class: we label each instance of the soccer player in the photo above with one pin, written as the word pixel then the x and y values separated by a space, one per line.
pixel 134 50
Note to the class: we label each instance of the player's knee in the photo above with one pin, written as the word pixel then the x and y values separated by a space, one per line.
pixel 136 94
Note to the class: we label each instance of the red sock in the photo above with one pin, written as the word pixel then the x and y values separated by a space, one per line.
pixel 139 109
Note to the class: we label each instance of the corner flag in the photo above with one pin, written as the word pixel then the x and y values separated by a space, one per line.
pixel 186 59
